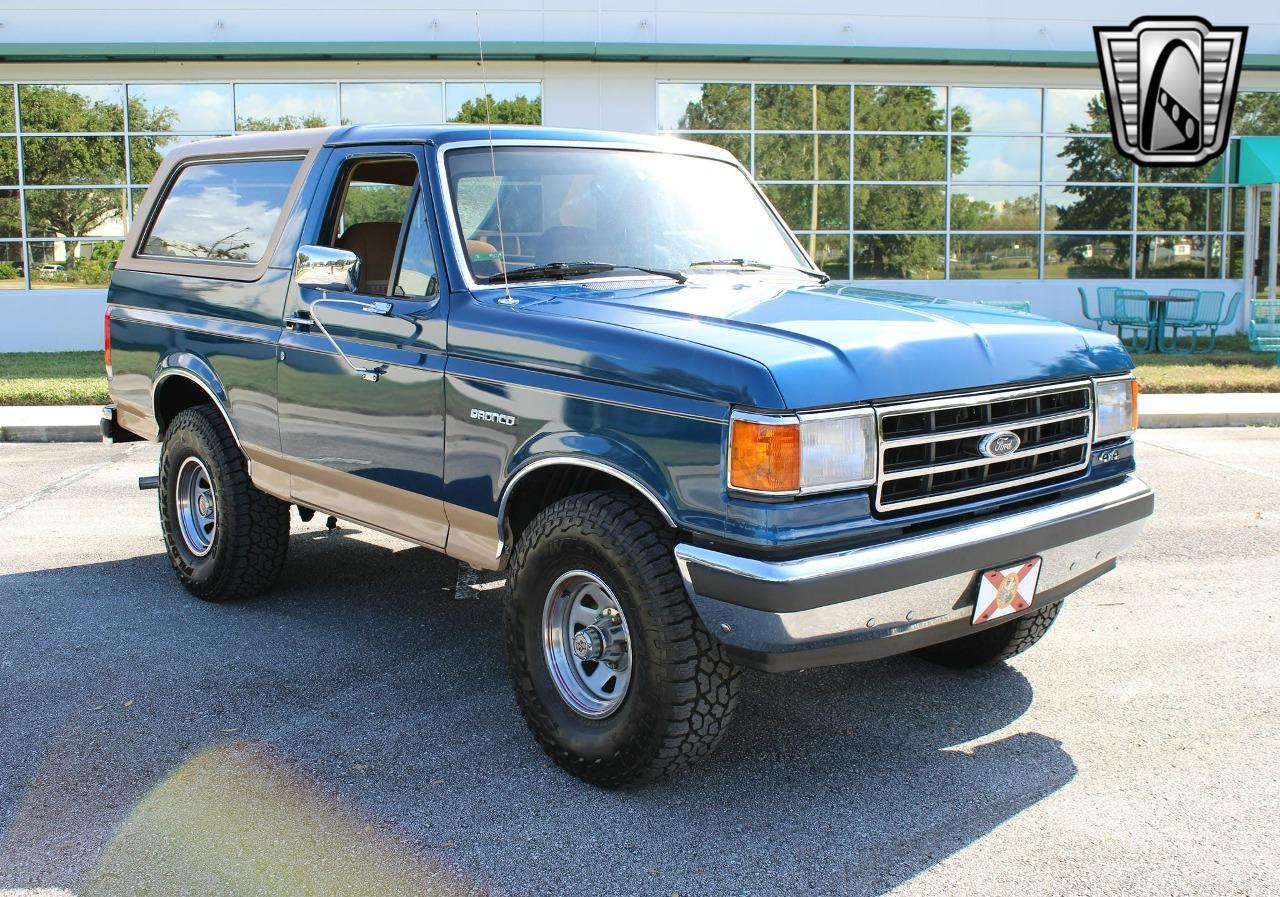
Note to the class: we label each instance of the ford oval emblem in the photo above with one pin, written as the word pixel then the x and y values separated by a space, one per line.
pixel 997 445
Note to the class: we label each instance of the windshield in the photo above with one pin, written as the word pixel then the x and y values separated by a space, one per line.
pixel 623 209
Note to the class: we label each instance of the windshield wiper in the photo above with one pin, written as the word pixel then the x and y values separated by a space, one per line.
pixel 758 266
pixel 558 270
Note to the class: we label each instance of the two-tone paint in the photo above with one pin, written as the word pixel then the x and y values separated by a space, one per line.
pixel 630 378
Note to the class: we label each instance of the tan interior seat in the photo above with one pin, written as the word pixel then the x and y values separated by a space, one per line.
pixel 375 243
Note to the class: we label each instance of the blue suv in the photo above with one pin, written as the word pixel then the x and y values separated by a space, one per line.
pixel 602 364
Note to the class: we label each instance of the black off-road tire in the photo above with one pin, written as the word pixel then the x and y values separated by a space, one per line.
pixel 993 645
pixel 683 689
pixel 251 537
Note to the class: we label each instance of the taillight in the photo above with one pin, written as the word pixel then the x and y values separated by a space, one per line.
pixel 106 341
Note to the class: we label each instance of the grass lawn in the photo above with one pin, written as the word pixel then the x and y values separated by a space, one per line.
pixel 52 378
pixel 1231 368
pixel 77 378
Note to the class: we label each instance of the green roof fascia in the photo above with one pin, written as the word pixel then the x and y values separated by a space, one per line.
pixel 560 50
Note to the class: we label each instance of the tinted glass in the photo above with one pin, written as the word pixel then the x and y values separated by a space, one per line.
pixel 189 108
pixel 513 103
pixel 994 256
pixel 6 107
pixel 1087 159
pixel 1086 256
pixel 802 107
pixel 392 102
pixel 898 256
pixel 897 207
pixel 995 158
pixel 73 160
pixel 11 266
pixel 1075 111
pixel 10 214
pixel 146 154
pixel 76 213
pixel 417 276
pixel 1179 209
pixel 899 108
pixel 1087 208
pixel 279 107
pixel 899 158
pixel 995 109
pixel 829 251
pixel 1184 256
pixel 1009 208
pixel 72 107
pixel 802 157
pixel 223 211
pixel 704 107
pixel 71 264
pixel 811 207
pixel 8 160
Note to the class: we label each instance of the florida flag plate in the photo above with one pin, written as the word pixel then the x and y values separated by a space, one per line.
pixel 1006 591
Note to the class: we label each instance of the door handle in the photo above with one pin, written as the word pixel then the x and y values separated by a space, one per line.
pixel 301 322
pixel 373 374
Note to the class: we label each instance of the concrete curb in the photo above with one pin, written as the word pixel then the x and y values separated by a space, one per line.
pixel 57 423
pixel 79 423
pixel 1229 409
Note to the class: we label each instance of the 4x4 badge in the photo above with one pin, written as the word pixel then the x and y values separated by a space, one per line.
pixel 1171 85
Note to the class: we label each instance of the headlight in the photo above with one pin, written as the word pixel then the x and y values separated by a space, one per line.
pixel 1117 408
pixel 800 454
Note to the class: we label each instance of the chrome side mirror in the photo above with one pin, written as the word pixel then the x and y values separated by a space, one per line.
pixel 326 268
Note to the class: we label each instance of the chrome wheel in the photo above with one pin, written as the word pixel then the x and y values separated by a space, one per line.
pixel 586 644
pixel 196 506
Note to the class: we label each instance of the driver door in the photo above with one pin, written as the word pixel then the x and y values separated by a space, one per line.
pixel 361 372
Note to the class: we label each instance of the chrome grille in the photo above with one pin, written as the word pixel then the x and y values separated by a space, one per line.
pixel 929 450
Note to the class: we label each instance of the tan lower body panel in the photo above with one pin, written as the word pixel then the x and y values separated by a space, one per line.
pixel 473 537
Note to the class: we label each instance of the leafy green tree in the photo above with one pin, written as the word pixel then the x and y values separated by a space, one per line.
pixel 519 111
pixel 78 160
pixel 281 122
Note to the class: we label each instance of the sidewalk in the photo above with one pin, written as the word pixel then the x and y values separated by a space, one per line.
pixel 79 423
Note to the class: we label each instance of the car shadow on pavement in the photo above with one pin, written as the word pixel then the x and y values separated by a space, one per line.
pixel 363 682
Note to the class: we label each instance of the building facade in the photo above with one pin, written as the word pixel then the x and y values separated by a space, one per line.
pixel 962 154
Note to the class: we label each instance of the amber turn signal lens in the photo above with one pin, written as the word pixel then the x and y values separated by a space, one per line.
pixel 1134 398
pixel 764 457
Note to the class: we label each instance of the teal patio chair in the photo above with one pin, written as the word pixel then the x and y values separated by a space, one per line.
pixel 1264 328
pixel 1133 312
pixel 1212 312
pixel 1106 306
pixel 1179 316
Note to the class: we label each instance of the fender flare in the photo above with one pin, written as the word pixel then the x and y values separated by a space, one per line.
pixel 196 369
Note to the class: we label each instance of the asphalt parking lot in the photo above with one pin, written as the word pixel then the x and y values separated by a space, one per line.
pixel 354 733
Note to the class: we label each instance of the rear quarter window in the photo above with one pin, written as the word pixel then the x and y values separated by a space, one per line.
pixel 221 211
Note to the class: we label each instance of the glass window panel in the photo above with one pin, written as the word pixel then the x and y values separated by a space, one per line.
pixel 1196 255
pixel 8 160
pixel 899 207
pixel 899 158
pixel 514 102
pixel 899 108
pixel 11 267
pixel 898 257
pixel 1007 208
pixel 279 107
pixel 6 107
pixel 995 256
pixel 829 251
pixel 1075 111
pixel 1235 257
pixel 146 153
pixel 417 275
pixel 71 264
pixel 191 108
pixel 1209 173
pixel 704 107
pixel 76 213
pixel 791 157
pixel 10 214
pixel 802 107
pixel 1235 215
pixel 71 107
pixel 738 144
pixel 223 211
pixel 73 160
pixel 811 207
pixel 995 158
pixel 135 199
pixel 1087 159
pixel 1088 208
pixel 386 102
pixel 1086 256
pixel 1179 208
pixel 995 109
pixel 1257 112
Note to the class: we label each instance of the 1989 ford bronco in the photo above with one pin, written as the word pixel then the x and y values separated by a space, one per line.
pixel 601 363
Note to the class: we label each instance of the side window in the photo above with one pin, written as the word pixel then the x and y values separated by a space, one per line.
pixel 417 277
pixel 221 211
pixel 368 215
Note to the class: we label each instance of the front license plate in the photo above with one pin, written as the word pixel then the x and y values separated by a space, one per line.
pixel 1005 591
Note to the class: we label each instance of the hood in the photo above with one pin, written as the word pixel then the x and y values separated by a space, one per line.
pixel 832 345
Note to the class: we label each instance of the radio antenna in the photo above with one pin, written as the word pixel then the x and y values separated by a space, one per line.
pixel 507 299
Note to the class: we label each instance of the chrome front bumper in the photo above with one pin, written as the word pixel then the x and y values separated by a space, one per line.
pixel 892 597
